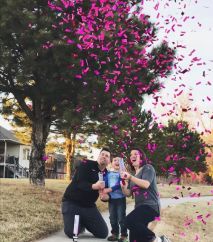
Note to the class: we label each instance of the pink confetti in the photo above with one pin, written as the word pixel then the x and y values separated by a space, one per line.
pixel 157 219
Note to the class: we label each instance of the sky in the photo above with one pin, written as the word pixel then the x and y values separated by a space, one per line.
pixel 4 123
pixel 196 27
pixel 195 32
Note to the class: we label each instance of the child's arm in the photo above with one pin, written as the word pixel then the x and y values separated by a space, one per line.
pixel 112 189
pixel 107 189
pixel 106 177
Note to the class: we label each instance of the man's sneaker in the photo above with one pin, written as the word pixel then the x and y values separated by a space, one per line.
pixel 165 239
pixel 123 239
pixel 113 237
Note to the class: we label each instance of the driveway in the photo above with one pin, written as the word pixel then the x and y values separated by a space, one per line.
pixel 86 237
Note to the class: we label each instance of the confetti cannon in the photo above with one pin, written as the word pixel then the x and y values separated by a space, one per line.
pixel 122 168
pixel 101 177
pixel 75 228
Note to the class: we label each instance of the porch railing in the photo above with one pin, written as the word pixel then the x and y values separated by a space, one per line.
pixel 12 165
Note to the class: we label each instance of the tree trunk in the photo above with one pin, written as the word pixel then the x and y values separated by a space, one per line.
pixel 69 151
pixel 40 131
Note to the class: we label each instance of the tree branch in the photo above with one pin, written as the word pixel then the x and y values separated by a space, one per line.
pixel 23 105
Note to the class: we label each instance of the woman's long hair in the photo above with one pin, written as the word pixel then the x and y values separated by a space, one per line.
pixel 143 158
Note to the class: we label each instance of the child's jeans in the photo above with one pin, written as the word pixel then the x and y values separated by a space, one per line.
pixel 117 211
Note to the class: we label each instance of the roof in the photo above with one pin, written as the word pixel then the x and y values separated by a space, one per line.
pixel 7 135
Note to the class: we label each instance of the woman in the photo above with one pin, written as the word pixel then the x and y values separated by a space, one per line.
pixel 143 186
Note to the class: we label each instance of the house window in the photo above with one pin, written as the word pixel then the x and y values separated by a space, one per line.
pixel 26 154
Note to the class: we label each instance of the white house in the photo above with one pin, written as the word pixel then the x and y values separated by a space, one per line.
pixel 14 156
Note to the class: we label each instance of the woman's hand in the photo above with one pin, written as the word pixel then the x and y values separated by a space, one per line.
pixel 123 184
pixel 125 175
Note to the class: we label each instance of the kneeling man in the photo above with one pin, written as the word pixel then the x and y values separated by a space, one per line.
pixel 81 195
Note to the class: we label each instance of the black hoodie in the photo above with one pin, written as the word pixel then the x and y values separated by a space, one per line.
pixel 80 189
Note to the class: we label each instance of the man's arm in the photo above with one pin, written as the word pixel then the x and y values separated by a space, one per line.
pixel 82 178
pixel 83 182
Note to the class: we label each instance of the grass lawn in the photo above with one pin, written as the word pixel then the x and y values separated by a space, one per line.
pixel 183 222
pixel 28 213
pixel 184 190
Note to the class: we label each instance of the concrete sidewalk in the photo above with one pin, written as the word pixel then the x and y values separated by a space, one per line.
pixel 165 202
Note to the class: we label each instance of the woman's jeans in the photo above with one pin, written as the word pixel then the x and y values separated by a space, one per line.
pixel 137 222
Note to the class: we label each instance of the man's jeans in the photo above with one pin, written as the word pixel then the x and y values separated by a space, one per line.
pixel 90 218
pixel 117 211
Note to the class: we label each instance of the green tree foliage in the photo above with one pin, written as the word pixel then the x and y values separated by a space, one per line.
pixel 36 75
pixel 126 130
pixel 178 149
pixel 49 60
